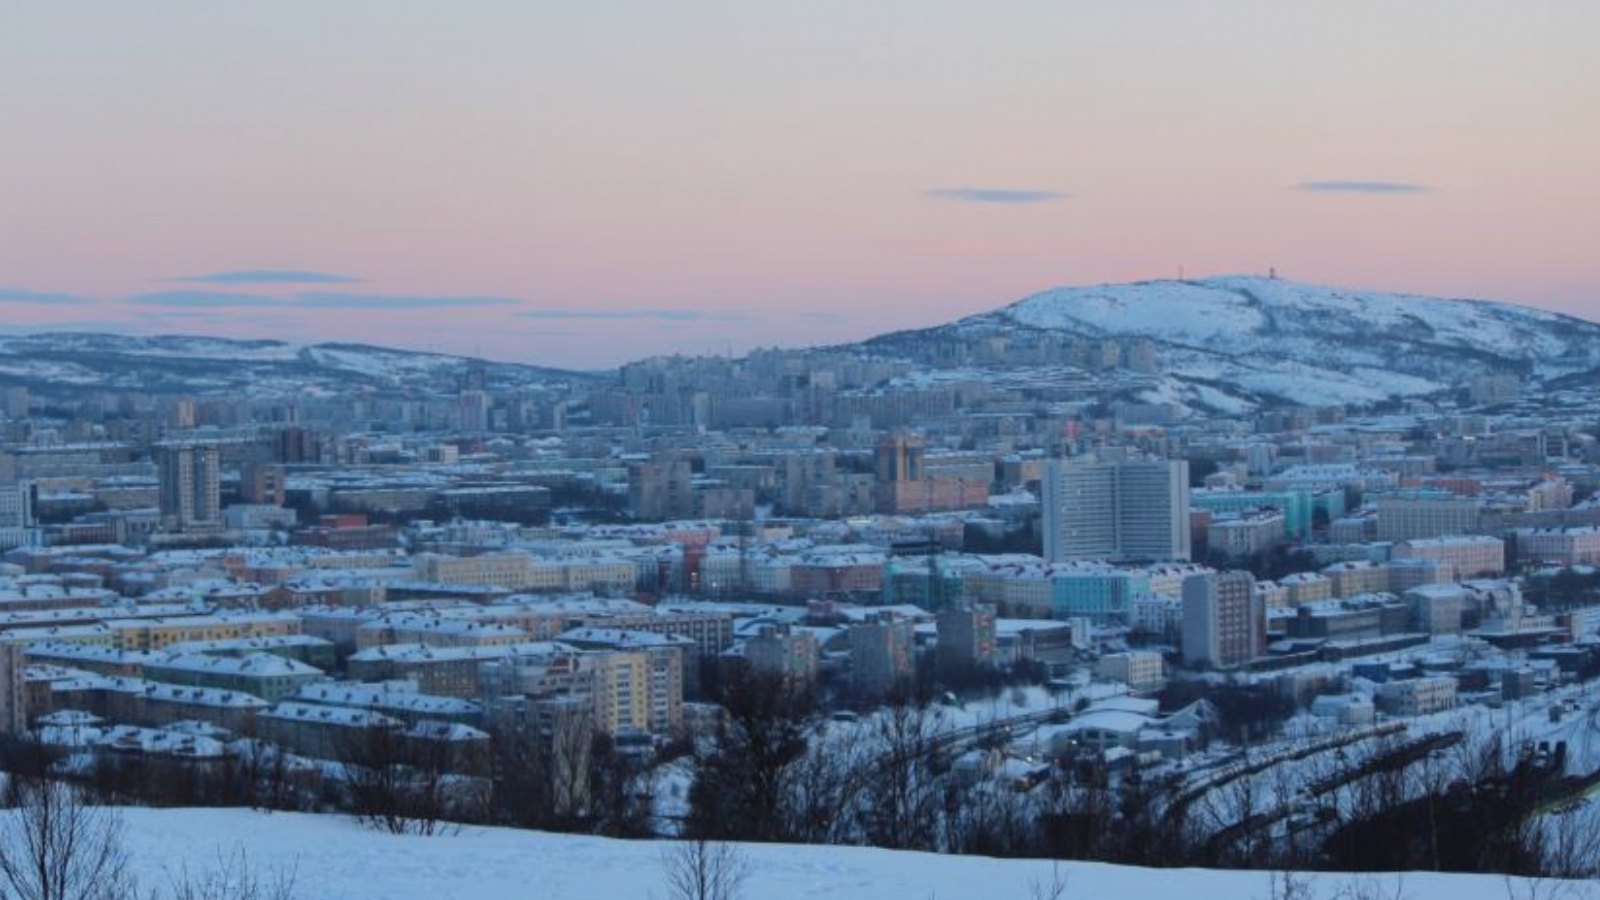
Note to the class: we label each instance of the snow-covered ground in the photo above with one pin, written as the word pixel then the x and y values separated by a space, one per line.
pixel 337 859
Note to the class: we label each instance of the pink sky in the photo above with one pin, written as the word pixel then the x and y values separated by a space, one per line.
pixel 645 178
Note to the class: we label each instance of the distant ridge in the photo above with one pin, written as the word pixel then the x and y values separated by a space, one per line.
pixel 1237 342
pixel 1225 345
pixel 183 363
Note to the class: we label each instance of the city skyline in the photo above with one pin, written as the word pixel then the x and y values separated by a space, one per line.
pixel 727 450
pixel 583 187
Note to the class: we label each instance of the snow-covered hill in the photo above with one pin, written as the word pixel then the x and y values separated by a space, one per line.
pixel 205 364
pixel 1231 345
pixel 335 859
pixel 1242 341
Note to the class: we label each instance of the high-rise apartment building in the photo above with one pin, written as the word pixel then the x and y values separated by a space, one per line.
pixel 16 505
pixel 900 457
pixel 296 445
pixel 626 690
pixel 16 515
pixel 262 483
pixel 191 485
pixel 661 490
pixel 784 652
pixel 473 409
pixel 1137 509
pixel 1224 621
pixel 966 638
pixel 881 658
pixel 13 705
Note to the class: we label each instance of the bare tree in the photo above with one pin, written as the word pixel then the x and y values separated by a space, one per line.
pixel 1370 887
pixel 989 818
pixel 56 845
pixel 1054 889
pixel 397 785
pixel 901 802
pixel 542 778
pixel 821 784
pixel 1567 843
pixel 232 879
pixel 1290 885
pixel 703 870
pixel 739 788
pixel 1546 889
pixel 622 791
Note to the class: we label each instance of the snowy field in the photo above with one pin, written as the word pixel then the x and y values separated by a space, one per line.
pixel 339 860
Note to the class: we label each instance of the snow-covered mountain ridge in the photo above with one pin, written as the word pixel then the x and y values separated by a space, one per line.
pixel 1258 340
pixel 1230 345
pixel 200 364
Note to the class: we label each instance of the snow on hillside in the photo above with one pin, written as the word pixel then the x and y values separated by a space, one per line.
pixel 178 346
pixel 374 361
pixel 1187 312
pixel 335 859
pixel 1198 313
pixel 1232 340
pixel 206 363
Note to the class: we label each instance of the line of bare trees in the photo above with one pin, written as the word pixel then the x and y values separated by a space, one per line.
pixel 777 770
pixel 572 778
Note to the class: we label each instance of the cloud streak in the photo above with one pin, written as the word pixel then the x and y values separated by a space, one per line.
pixel 22 295
pixel 637 315
pixel 397 301
pixel 198 299
pixel 269 276
pixel 202 299
pixel 1362 187
pixel 994 195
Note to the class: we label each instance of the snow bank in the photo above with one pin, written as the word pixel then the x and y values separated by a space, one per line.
pixel 339 860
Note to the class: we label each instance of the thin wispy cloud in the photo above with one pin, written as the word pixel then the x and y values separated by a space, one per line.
pixel 78 326
pixel 397 301
pixel 636 315
pixel 202 299
pixel 994 195
pixel 269 276
pixel 23 295
pixel 1362 187
pixel 313 300
pixel 821 318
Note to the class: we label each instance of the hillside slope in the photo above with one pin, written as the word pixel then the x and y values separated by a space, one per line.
pixel 1243 341
pixel 335 859
pixel 185 364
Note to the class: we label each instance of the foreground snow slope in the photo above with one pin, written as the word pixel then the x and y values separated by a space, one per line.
pixel 339 860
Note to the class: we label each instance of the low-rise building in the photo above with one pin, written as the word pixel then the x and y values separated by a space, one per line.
pixel 1140 670
pixel 1417 696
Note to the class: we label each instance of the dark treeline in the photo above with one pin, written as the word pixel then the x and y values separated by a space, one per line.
pixel 778 771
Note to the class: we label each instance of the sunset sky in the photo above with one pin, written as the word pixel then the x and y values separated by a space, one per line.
pixel 580 183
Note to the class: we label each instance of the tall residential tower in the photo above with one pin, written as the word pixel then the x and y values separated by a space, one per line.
pixel 1133 510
